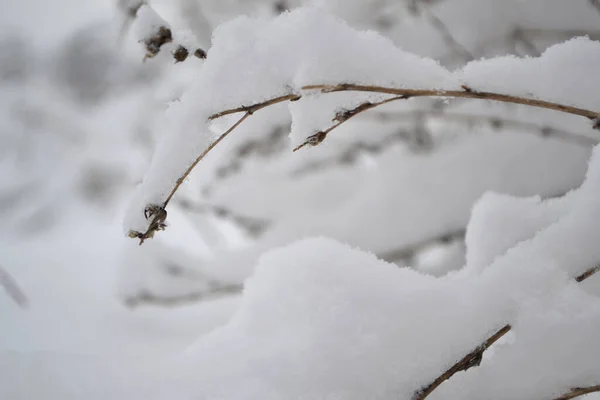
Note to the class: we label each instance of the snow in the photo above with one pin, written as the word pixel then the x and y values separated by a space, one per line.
pixel 282 55
pixel 147 23
pixel 346 308
pixel 557 73
pixel 318 318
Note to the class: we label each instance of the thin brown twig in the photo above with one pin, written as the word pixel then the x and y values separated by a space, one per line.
pixel 157 222
pixel 344 116
pixel 158 213
pixel 201 156
pixel 255 107
pixel 576 392
pixel 466 93
pixel 587 274
pixel 470 360
pixel 474 357
pixel 249 110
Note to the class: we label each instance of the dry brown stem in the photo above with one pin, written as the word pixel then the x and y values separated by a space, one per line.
pixel 470 360
pixel 345 115
pixel 576 392
pixel 467 93
pixel 474 357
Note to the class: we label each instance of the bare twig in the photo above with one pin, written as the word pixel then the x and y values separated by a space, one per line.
pixel 474 357
pixel 576 392
pixel 253 226
pixel 157 224
pixel 470 360
pixel 446 35
pixel 495 122
pixel 465 93
pixel 255 107
pixel 344 116
pixel 410 251
pixel 595 4
pixel 12 288
pixel 519 36
pixel 587 274
pixel 146 297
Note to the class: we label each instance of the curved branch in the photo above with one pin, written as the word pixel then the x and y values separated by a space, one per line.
pixel 159 212
pixel 255 107
pixel 467 93
pixel 342 117
pixel 249 110
pixel 474 357
pixel 470 360
pixel 576 392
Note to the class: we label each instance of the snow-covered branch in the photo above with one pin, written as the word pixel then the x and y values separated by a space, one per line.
pixel 473 358
pixel 345 115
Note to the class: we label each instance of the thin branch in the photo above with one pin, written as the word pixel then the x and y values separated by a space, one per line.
pixel 470 360
pixel 251 225
pixel 496 122
pixel 446 35
pixel 587 274
pixel 159 212
pixel 249 110
pixel 201 156
pixel 474 357
pixel 576 392
pixel 466 93
pixel 344 116
pixel 595 4
pixel 255 107
pixel 146 297
pixel 12 289
pixel 410 251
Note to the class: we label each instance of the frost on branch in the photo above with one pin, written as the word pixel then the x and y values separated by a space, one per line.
pixel 282 56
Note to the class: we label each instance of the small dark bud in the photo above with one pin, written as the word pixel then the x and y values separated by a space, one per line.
pixel 316 139
pixel 157 40
pixel 200 53
pixel 180 54
pixel 596 123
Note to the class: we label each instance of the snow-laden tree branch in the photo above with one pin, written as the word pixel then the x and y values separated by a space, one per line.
pixel 345 115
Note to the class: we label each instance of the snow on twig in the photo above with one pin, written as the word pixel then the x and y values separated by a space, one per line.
pixel 157 222
pixel 473 358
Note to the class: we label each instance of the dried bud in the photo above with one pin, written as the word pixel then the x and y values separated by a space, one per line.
pixel 200 53
pixel 157 40
pixel 316 139
pixel 180 54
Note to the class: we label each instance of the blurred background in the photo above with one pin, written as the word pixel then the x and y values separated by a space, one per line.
pixel 80 114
